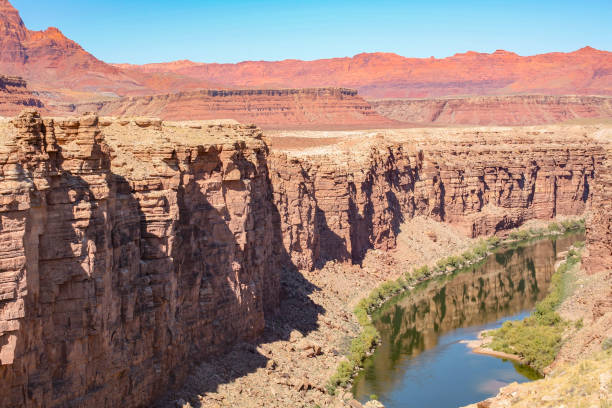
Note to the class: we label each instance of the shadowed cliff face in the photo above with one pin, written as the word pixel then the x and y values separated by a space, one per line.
pixel 482 181
pixel 114 278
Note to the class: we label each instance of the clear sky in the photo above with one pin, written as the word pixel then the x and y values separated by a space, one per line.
pixel 140 31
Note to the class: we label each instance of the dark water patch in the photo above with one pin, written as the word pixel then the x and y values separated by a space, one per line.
pixel 423 360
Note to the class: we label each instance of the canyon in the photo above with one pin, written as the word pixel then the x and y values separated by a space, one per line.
pixel 197 233
pixel 135 247
pixel 494 110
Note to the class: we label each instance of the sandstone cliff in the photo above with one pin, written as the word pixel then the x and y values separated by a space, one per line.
pixel 14 96
pixel 494 110
pixel 128 250
pixel 268 108
pixel 132 247
pixel 346 193
pixel 598 257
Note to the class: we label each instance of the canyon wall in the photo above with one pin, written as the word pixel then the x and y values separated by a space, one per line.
pixel 129 249
pixel 268 108
pixel 338 200
pixel 598 256
pixel 15 96
pixel 132 247
pixel 494 110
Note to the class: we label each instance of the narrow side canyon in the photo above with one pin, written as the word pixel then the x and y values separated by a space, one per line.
pixel 134 247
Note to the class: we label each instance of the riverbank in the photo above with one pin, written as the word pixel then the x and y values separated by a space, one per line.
pixel 478 346
pixel 536 340
pixel 302 347
pixel 297 354
pixel 580 373
pixel 584 384
pixel 364 344
pixel 539 335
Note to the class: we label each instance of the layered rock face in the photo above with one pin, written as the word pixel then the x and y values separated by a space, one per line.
pixel 132 247
pixel 341 198
pixel 599 226
pixel 128 250
pixel 494 110
pixel 14 96
pixel 268 108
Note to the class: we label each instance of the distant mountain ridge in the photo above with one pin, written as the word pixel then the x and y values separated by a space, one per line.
pixel 384 75
pixel 51 62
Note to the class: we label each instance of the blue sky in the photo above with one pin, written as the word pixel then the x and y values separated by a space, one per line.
pixel 141 31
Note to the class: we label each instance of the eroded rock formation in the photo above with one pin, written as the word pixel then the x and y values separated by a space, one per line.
pixel 494 110
pixel 268 108
pixel 599 226
pixel 132 247
pixel 15 96
pixel 338 199
pixel 128 250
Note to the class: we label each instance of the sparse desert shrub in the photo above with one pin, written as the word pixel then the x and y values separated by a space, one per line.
pixel 493 241
pixel 520 235
pixel 537 344
pixel 607 344
pixel 468 256
pixel 341 377
pixel 481 249
pixel 420 273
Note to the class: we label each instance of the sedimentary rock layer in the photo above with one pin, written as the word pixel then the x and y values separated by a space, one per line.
pixel 15 96
pixel 131 247
pixel 128 249
pixel 494 110
pixel 599 226
pixel 340 198
pixel 268 108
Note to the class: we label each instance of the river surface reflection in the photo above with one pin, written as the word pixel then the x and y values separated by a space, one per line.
pixel 422 361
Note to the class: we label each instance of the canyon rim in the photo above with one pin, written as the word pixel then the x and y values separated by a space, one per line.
pixel 186 234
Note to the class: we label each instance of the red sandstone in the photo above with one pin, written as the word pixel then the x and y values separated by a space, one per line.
pixel 268 108
pixel 494 110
